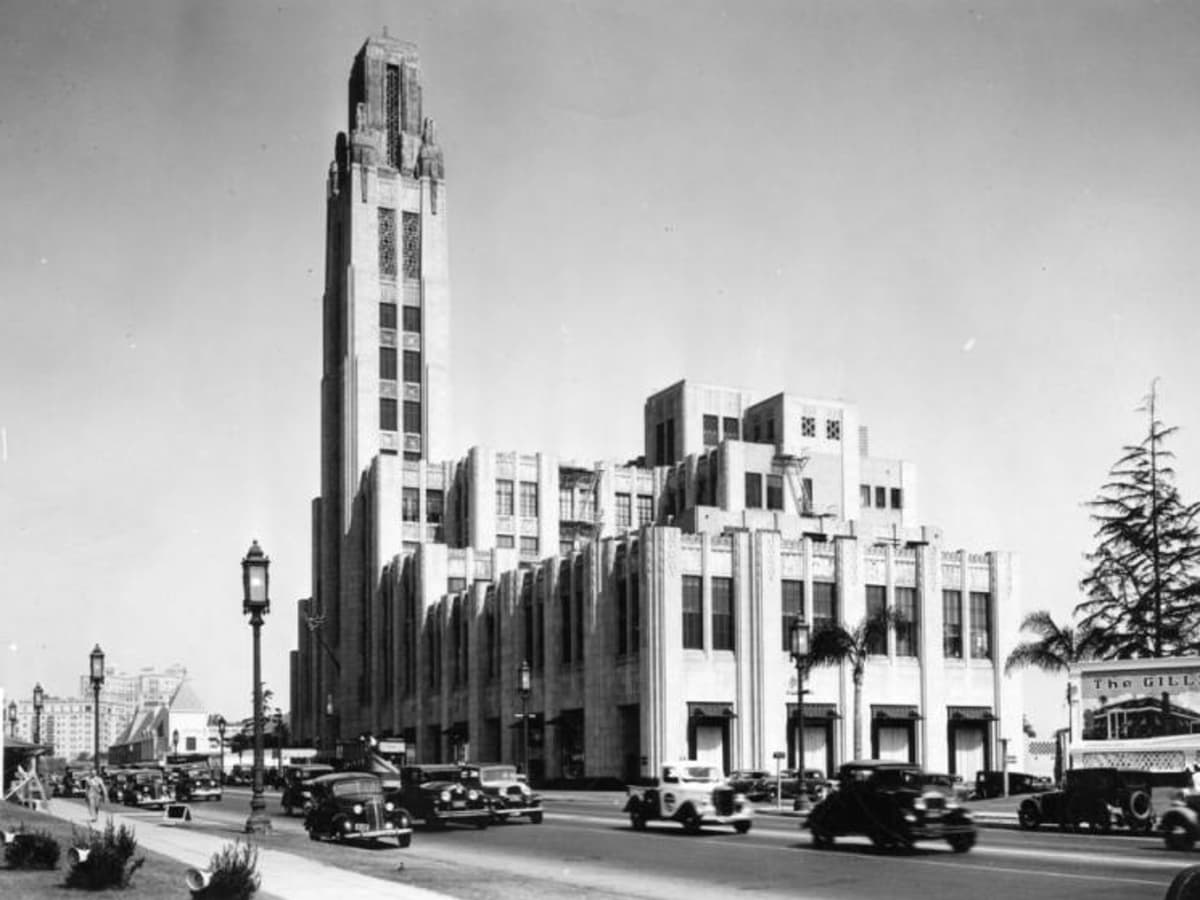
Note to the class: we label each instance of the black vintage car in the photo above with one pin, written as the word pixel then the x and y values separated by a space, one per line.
pixel 296 792
pixel 508 795
pixel 1180 824
pixel 1093 798
pixel 893 804
pixel 146 788
pixel 436 795
pixel 351 806
pixel 990 783
pixel 194 782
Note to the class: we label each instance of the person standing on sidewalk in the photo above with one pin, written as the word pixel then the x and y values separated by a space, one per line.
pixel 95 795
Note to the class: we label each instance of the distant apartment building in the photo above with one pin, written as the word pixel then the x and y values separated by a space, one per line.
pixel 652 599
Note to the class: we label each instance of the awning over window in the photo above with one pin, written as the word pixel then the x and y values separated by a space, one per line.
pixel 711 711
pixel 970 714
pixel 894 711
pixel 815 711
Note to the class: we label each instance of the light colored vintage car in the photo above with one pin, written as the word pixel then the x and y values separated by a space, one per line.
pixel 509 796
pixel 692 793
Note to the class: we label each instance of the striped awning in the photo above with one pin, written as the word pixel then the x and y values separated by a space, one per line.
pixel 815 711
pixel 711 711
pixel 894 711
pixel 970 714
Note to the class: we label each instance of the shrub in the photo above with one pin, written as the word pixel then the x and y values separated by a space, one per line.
pixel 110 861
pixel 234 871
pixel 32 850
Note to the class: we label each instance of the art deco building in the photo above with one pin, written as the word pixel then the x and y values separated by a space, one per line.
pixel 651 599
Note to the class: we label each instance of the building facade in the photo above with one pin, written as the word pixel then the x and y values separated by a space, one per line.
pixel 651 599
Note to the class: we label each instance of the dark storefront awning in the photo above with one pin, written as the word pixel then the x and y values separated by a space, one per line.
pixel 711 711
pixel 894 711
pixel 815 711
pixel 970 714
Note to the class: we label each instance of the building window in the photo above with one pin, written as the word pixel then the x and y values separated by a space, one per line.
pixel 505 541
pixel 435 507
pixel 952 624
pixel 774 492
pixel 981 625
pixel 864 495
pixel 731 428
pixel 455 584
pixel 693 613
pixel 881 497
pixel 565 546
pixel 412 319
pixel 387 363
pixel 833 429
pixel 825 606
pixel 876 605
pixel 529 546
pixel 808 426
pixel 566 504
pixel 387 315
pixel 412 245
pixel 392 114
pixel 412 416
pixel 504 497
pixel 387 414
pixel 792 604
pixel 645 509
pixel 753 490
pixel 410 501
pixel 712 426
pixel 624 511
pixel 896 498
pixel 387 242
pixel 906 626
pixel 529 499
pixel 622 612
pixel 412 366
pixel 722 613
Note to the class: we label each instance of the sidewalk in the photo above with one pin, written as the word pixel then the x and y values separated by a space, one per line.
pixel 285 876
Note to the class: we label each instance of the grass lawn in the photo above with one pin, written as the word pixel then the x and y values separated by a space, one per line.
pixel 160 876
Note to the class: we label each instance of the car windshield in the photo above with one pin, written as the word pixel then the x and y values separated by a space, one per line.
pixel 359 787
pixel 900 778
pixel 698 773
pixel 147 778
pixel 498 773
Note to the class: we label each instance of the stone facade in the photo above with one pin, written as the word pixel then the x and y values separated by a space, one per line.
pixel 651 598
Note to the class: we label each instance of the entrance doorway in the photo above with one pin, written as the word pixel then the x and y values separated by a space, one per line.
pixel 709 733
pixel 894 733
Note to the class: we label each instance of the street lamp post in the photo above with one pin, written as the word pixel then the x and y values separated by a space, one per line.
pixel 12 718
pixel 39 697
pixel 799 650
pixel 175 742
pixel 96 659
pixel 256 602
pixel 221 724
pixel 523 688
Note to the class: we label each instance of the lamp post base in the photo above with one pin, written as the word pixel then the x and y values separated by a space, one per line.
pixel 259 822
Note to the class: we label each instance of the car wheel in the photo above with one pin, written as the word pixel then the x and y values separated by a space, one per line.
pixel 1179 836
pixel 403 841
pixel 691 822
pixel 1184 885
pixel 1028 816
pixel 1139 811
pixel 961 843
pixel 535 818
pixel 741 827
pixel 821 840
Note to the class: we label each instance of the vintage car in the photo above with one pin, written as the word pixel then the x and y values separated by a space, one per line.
pixel 893 804
pixel 146 788
pixel 74 783
pixel 951 785
pixel 194 782
pixel 115 782
pixel 348 806
pixel 1180 824
pixel 508 796
pixel 692 793
pixel 296 791
pixel 1096 798
pixel 990 783
pixel 437 795
pixel 756 784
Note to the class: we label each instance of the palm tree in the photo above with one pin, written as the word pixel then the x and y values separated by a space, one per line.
pixel 1057 649
pixel 833 644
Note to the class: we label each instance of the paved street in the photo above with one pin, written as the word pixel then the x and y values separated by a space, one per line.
pixel 586 848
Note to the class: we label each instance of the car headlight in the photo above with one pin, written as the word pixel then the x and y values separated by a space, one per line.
pixel 445 795
pixel 472 795
pixel 405 822
pixel 358 809
pixel 345 825
pixel 389 806
pixel 525 790
pixel 909 817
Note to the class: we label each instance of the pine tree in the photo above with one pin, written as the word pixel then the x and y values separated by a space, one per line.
pixel 1142 585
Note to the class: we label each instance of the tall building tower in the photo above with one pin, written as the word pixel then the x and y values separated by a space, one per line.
pixel 385 380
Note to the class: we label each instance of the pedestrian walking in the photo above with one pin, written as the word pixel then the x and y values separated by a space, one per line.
pixel 95 795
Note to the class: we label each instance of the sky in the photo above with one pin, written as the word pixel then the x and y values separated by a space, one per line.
pixel 977 222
